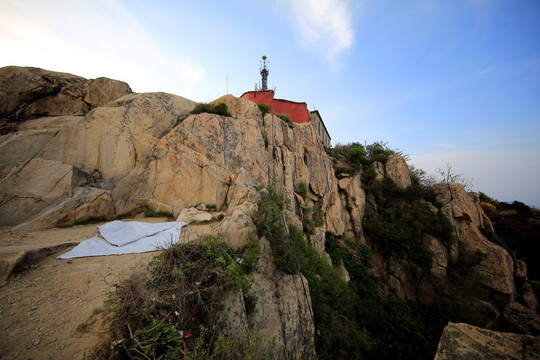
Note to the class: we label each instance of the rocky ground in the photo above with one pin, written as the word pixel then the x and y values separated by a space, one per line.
pixel 42 306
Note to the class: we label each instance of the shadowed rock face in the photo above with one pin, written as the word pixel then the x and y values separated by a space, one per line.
pixel 27 93
pixel 463 341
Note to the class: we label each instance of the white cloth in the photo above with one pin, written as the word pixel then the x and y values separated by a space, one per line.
pixel 119 237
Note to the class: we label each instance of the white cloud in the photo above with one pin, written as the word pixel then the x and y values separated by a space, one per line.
pixel 91 39
pixel 325 24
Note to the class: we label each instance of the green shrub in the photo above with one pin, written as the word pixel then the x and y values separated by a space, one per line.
pixel 356 154
pixel 152 213
pixel 265 108
pixel 344 169
pixel 302 190
pixel 285 118
pixel 251 252
pixel 219 109
pixel 312 217
pixel 400 218
pixel 185 289
pixel 223 347
pixel 368 176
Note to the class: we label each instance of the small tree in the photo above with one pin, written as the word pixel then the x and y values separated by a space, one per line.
pixel 449 176
pixel 421 177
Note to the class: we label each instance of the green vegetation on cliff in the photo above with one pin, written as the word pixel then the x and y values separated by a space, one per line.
pixel 352 320
pixel 219 109
pixel 183 293
pixel 517 228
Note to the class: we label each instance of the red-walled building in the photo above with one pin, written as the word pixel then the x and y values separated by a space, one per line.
pixel 296 111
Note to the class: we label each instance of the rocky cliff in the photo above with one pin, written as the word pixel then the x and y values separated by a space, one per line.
pixel 76 149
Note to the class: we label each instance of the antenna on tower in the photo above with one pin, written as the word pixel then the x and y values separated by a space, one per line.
pixel 264 73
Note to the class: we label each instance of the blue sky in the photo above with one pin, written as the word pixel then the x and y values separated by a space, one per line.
pixel 445 81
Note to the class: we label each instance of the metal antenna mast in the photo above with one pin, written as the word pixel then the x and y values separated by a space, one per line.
pixel 264 73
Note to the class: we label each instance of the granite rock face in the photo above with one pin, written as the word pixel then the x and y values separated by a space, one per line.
pixel 63 150
pixel 32 92
pixel 463 341
pixel 492 262
pixel 398 171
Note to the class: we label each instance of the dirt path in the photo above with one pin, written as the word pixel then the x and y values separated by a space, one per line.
pixel 41 308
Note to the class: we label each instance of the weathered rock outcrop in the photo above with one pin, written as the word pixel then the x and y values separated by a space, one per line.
pixel 398 171
pixel 353 199
pixel 395 168
pixel 288 296
pixel 463 341
pixel 491 262
pixel 218 160
pixel 49 160
pixel 27 93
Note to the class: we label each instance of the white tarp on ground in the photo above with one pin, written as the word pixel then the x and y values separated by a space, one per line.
pixel 119 237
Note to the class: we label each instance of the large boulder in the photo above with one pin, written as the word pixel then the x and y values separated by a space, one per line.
pixel 398 171
pixel 463 341
pixel 48 159
pixel 27 92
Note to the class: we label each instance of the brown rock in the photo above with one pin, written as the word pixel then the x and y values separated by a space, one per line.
pixel 380 171
pixel 440 256
pixel 398 171
pixel 86 203
pixel 33 186
pixel 31 92
pixel 190 215
pixel 342 271
pixel 463 341
pixel 240 107
pixel 283 309
pixel 355 198
pixel 521 320
pixel 492 262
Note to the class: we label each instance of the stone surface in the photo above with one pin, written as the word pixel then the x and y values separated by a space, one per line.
pixel 342 271
pixel 398 171
pixel 463 341
pixel 286 296
pixel 27 92
pixel 31 187
pixel 521 320
pixel 380 172
pixel 190 215
pixel 48 159
pixel 355 198
pixel 492 262
pixel 440 256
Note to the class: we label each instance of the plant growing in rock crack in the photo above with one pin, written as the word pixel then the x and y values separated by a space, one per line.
pixel 183 292
pixel 302 190
pixel 219 109
pixel 265 108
